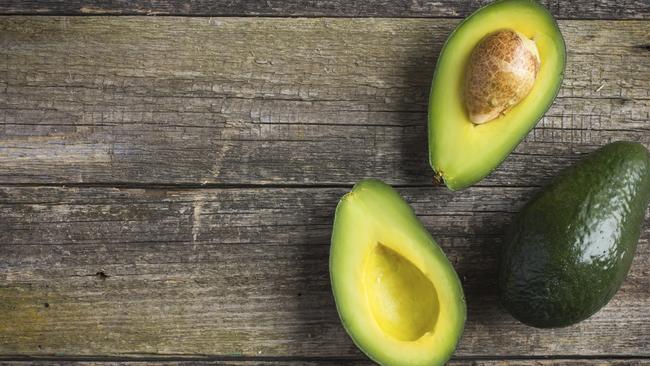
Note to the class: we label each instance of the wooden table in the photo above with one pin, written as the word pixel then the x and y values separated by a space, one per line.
pixel 167 183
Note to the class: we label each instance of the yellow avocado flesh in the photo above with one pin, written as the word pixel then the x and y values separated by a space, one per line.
pixel 461 152
pixel 403 300
pixel 398 296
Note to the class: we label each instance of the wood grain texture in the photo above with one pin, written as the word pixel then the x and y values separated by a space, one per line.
pixel 244 272
pixel 582 9
pixel 277 101
pixel 340 362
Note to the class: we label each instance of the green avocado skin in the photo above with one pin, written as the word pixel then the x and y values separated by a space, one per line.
pixel 571 247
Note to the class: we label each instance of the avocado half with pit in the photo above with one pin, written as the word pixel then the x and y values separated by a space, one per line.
pixel 398 296
pixel 497 74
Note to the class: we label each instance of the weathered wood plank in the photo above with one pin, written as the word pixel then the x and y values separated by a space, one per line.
pixel 583 9
pixel 286 101
pixel 244 272
pixel 341 362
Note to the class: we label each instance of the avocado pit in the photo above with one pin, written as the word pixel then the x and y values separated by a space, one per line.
pixel 500 73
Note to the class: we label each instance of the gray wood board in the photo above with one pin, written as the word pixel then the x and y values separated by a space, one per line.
pixel 277 101
pixel 583 9
pixel 244 272
pixel 259 361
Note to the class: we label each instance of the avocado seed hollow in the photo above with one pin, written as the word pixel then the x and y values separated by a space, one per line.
pixel 403 300
pixel 500 73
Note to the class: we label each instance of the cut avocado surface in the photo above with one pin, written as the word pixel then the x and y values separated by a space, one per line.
pixel 397 295
pixel 462 152
pixel 571 247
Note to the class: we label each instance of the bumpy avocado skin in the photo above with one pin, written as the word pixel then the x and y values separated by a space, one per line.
pixel 571 247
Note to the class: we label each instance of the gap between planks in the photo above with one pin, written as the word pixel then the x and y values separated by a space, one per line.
pixel 213 358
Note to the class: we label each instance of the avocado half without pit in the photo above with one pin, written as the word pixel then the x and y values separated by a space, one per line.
pixel 397 295
pixel 496 76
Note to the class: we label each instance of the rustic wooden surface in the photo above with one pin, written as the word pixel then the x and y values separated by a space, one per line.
pixel 583 9
pixel 244 272
pixel 167 184
pixel 339 362
pixel 277 101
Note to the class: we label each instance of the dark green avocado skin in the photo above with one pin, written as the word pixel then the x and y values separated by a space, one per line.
pixel 571 247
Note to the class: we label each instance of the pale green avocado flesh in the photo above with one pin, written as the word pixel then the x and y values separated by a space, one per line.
pixel 397 295
pixel 461 152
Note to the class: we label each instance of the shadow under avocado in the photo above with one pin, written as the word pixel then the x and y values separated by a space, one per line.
pixel 411 107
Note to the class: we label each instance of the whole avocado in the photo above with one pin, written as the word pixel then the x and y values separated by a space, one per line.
pixel 571 247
